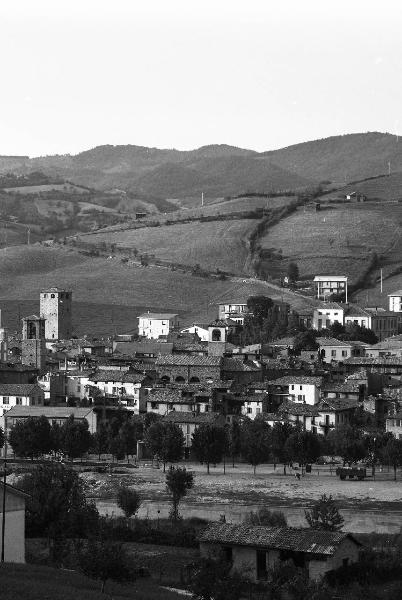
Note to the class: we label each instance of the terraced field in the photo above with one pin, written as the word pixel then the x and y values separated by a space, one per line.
pixel 213 245
pixel 339 239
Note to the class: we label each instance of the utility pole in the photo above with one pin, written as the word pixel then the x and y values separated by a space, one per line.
pixel 389 168
pixel 28 236
pixel 381 281
pixel 202 198
pixel 3 528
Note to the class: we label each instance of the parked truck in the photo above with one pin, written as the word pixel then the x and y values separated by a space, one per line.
pixel 351 473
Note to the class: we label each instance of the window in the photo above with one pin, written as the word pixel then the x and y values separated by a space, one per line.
pixel 292 387
pixel 6 400
pixel 301 387
pixel 154 405
pixel 249 410
pixel 333 352
pixel 301 397
pixel 52 296
pixel 344 353
pixel 18 401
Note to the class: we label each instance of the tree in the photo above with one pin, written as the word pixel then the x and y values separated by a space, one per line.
pixel 293 272
pixel 75 437
pixel 2 437
pixel 213 579
pixel 56 506
pixel 362 334
pixel 233 437
pixel 178 481
pixel 392 454
pixel 129 501
pixel 129 434
pixel 346 441
pixel 31 437
pixel 103 560
pixel 166 440
pixel 279 434
pixel 259 307
pixel 305 340
pixel 255 442
pixel 117 447
pixel 303 447
pixel 209 443
pixel 266 517
pixel 325 515
pixel 100 441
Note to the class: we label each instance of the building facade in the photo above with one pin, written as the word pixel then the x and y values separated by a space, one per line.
pixel 155 325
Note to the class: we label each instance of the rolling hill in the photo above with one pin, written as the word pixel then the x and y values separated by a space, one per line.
pixel 341 158
pixel 222 170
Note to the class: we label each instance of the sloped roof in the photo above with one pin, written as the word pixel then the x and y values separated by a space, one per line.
pixel 145 347
pixel 19 389
pixel 236 364
pixel 119 376
pixel 158 316
pixel 340 387
pixel 298 409
pixel 336 404
pixel 311 541
pixel 322 341
pixel 188 360
pixel 298 380
pixel 196 418
pixel 373 360
pixel 50 412
pixel 397 293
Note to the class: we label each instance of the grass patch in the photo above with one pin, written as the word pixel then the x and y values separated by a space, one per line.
pixel 33 582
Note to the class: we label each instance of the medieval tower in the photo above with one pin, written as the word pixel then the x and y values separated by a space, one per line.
pixel 55 307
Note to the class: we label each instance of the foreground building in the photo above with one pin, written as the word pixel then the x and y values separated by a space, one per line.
pixel 14 531
pixel 254 550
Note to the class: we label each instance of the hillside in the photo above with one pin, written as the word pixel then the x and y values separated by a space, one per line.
pixel 341 158
pixel 218 170
pixel 213 245
pixel 108 295
pixel 342 238
pixel 384 187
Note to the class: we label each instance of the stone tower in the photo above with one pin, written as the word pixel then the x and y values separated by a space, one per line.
pixel 3 342
pixel 217 338
pixel 55 307
pixel 33 350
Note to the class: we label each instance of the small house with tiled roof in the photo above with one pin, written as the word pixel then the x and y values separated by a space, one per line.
pixel 334 413
pixel 19 394
pixel 254 550
pixel 122 387
pixel 54 414
pixel 304 415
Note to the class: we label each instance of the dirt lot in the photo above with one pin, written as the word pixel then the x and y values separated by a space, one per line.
pixel 268 486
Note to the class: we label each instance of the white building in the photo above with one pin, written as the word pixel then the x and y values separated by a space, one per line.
pixel 327 314
pixel 14 530
pixel 155 325
pixel 233 310
pixel 302 388
pixel 395 301
pixel 328 285
pixel 125 387
pixel 56 308
pixel 19 394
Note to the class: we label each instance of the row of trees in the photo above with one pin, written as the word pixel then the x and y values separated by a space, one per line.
pixel 254 440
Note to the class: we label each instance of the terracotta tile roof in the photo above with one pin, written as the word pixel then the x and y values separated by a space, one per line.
pixel 196 418
pixel 373 360
pixel 19 389
pixel 298 380
pixel 322 341
pixel 236 364
pixel 310 541
pixel 118 376
pixel 298 409
pixel 51 412
pixel 336 404
pixel 341 387
pixel 188 360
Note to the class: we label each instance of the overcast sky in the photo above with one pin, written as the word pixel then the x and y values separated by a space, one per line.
pixel 184 73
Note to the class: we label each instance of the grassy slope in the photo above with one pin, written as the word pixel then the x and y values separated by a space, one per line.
pixel 384 188
pixel 339 239
pixel 108 290
pixel 217 244
pixel 341 158
pixel 32 582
